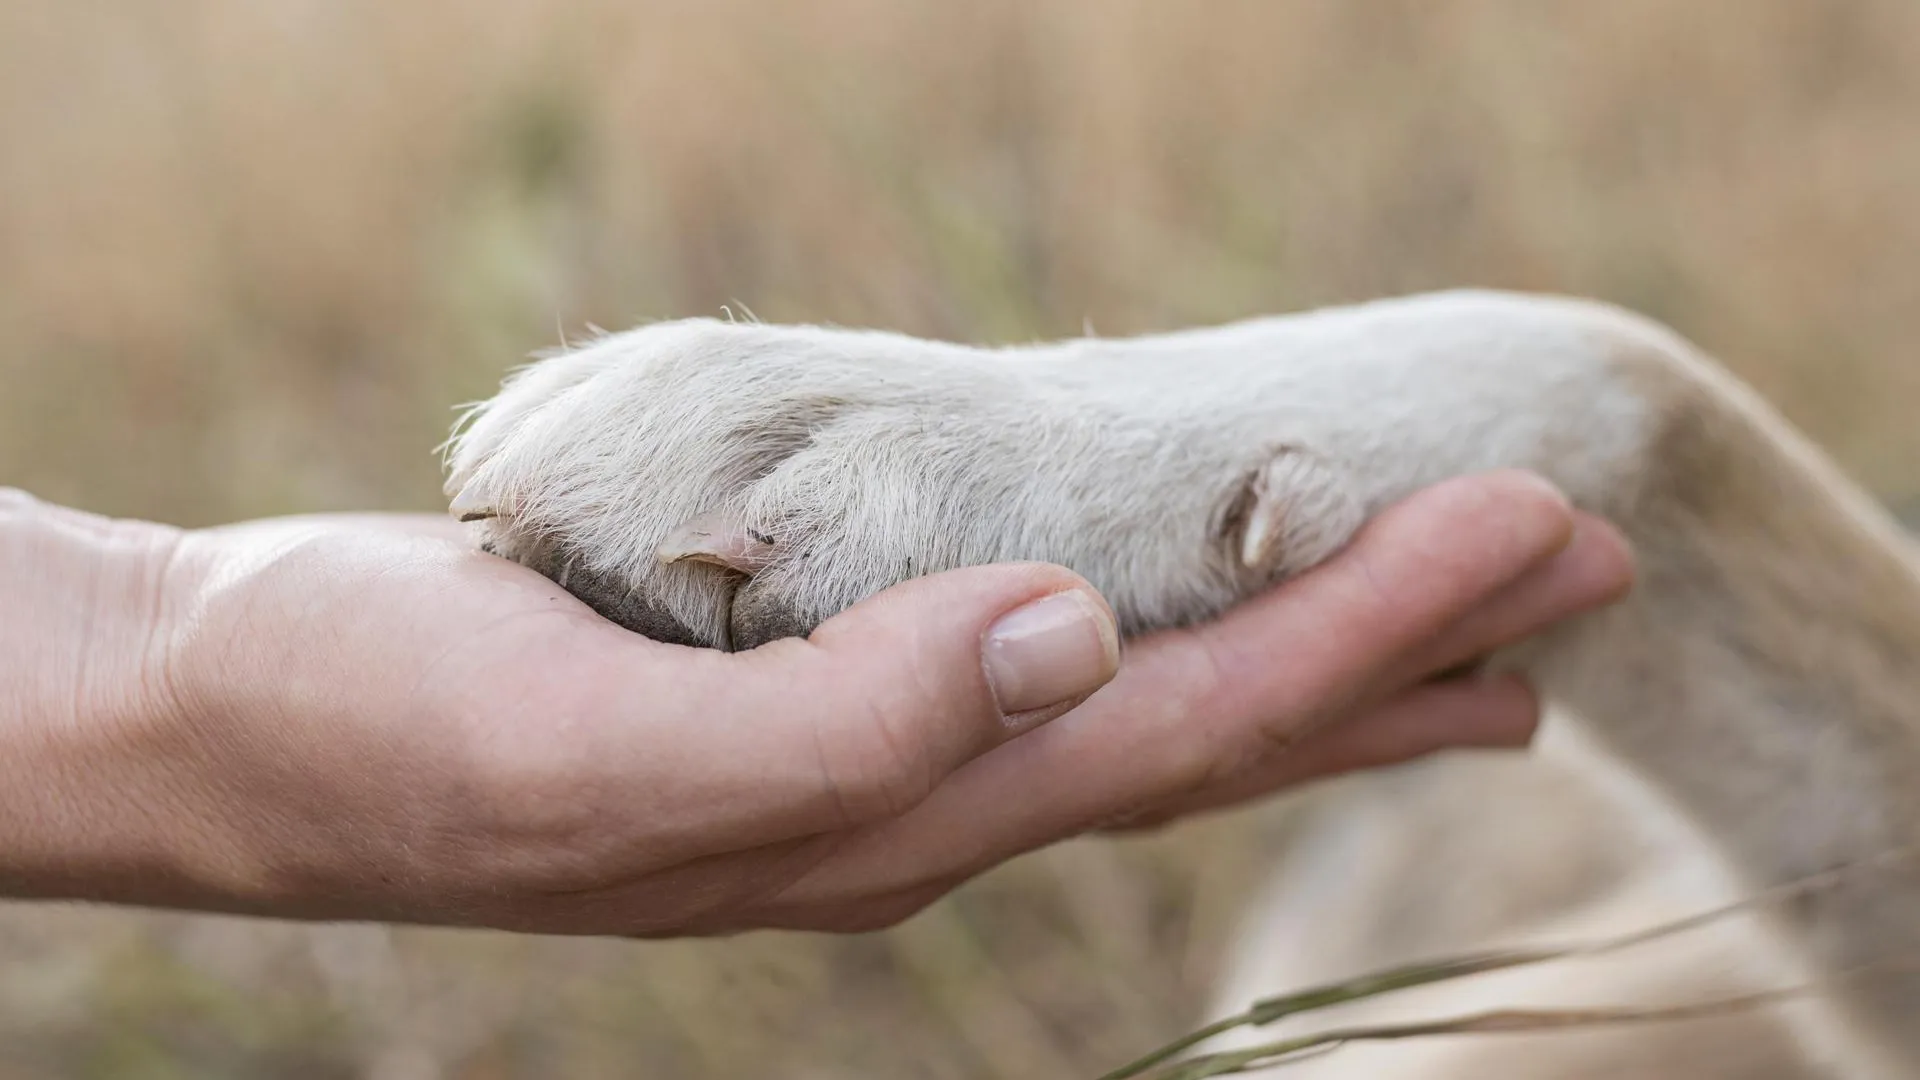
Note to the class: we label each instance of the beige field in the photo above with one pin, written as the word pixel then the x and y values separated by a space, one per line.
pixel 252 253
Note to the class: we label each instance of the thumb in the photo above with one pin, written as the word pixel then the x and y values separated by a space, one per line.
pixel 898 691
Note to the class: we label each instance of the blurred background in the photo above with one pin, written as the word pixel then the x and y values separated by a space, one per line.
pixel 253 253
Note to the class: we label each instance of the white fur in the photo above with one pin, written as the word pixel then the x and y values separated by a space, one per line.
pixel 878 457
pixel 1761 679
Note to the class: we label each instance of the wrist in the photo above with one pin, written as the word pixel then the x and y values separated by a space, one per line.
pixel 85 641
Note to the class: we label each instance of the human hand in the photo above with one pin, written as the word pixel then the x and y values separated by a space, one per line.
pixel 360 717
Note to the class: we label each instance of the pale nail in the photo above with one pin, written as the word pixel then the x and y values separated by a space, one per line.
pixel 1051 651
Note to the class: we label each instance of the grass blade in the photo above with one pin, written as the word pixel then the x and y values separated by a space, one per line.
pixel 1269 1010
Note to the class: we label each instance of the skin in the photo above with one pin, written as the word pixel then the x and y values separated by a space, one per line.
pixel 363 718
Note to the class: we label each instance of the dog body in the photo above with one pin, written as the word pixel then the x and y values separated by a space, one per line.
pixel 1482 851
pixel 1746 717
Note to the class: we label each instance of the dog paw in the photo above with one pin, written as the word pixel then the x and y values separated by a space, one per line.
pixel 723 485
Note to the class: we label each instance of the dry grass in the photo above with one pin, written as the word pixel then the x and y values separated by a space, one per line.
pixel 251 252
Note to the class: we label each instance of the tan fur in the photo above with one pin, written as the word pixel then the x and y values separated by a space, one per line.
pixel 1486 851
